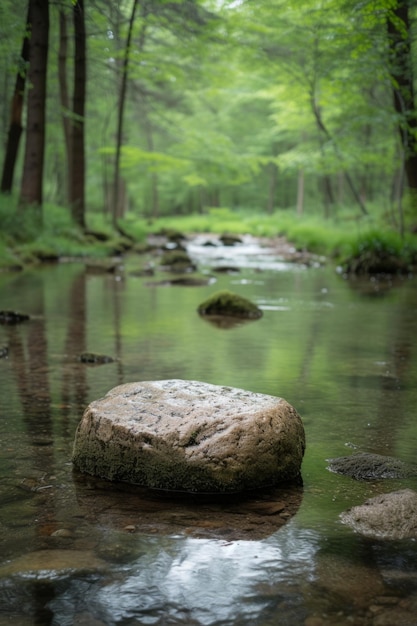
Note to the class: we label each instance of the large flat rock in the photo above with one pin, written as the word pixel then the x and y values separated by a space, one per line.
pixel 190 436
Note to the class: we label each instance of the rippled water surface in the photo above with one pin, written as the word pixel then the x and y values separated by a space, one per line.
pixel 74 550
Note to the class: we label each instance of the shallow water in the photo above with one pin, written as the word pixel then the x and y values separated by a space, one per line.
pixel 78 551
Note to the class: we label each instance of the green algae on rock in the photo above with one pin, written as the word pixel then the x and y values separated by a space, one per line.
pixel 176 259
pixel 229 304
pixel 367 466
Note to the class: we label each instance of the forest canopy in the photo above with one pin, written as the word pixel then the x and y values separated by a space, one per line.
pixel 149 108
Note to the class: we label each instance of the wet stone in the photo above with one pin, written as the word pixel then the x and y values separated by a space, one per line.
pixel 12 317
pixel 190 436
pixel 387 516
pixel 95 359
pixel 228 304
pixel 353 583
pixel 50 564
pixel 366 466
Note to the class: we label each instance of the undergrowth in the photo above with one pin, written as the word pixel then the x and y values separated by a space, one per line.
pixel 26 234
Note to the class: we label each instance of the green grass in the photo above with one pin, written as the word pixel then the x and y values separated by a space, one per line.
pixel 26 238
pixel 310 233
pixel 337 238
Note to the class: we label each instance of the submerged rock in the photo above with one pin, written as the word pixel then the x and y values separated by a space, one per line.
pixel 95 359
pixel 387 516
pixel 226 303
pixel 229 239
pixel 177 260
pixel 190 436
pixel 51 564
pixel 172 235
pixel 184 281
pixel 347 580
pixel 226 269
pixel 12 317
pixel 367 466
pixel 244 516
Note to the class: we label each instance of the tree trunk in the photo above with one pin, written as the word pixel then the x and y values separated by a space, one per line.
pixel 272 172
pixel 32 179
pixel 122 99
pixel 328 195
pixel 63 94
pixel 399 32
pixel 300 191
pixel 154 176
pixel 77 149
pixel 15 128
pixel 328 190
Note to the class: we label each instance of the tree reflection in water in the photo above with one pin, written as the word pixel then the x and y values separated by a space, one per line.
pixel 345 360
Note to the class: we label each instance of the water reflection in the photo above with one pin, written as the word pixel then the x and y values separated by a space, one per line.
pixel 197 581
pixel 249 516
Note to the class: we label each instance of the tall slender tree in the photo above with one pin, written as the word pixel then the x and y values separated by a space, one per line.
pixel 77 150
pixel 16 128
pixel 403 76
pixel 32 180
pixel 63 93
pixel 120 116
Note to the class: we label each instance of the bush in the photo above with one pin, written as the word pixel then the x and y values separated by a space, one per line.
pixel 381 252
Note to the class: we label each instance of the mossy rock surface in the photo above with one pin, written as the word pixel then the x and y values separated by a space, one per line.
pixel 190 436
pixel 229 304
pixel 374 263
pixel 95 359
pixel 176 260
pixel 171 234
pixel 367 466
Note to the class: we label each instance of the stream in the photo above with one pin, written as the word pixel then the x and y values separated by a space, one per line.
pixel 78 550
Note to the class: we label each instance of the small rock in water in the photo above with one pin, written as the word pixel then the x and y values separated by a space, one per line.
pixel 12 317
pixel 49 564
pixel 366 466
pixel 130 528
pixel 387 516
pixel 229 239
pixel 226 303
pixel 96 359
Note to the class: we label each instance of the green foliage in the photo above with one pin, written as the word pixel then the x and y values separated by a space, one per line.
pixel 382 252
pixel 8 258
pixel 231 105
pixel 51 247
pixel 24 238
pixel 16 225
